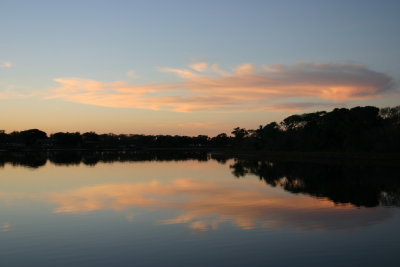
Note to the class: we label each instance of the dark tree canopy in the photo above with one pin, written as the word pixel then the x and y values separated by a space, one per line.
pixel 356 129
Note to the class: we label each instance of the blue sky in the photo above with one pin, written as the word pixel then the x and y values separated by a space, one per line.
pixel 148 44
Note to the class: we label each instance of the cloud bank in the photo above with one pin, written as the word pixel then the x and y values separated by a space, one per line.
pixel 205 86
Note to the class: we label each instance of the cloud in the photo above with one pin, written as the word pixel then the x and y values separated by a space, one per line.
pixel 13 92
pixel 245 69
pixel 6 64
pixel 299 106
pixel 199 66
pixel 132 74
pixel 205 87
pixel 183 73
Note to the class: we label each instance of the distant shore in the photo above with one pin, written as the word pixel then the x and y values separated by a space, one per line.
pixel 356 133
pixel 298 156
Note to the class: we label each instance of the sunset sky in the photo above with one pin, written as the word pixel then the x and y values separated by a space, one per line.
pixel 191 67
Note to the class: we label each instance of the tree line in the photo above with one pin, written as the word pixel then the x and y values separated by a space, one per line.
pixel 356 129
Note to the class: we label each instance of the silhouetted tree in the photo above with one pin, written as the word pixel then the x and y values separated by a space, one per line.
pixel 220 140
pixel 356 129
pixel 32 136
pixel 66 140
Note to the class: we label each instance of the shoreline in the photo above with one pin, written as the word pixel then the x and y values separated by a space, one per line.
pixel 299 156
pixel 318 156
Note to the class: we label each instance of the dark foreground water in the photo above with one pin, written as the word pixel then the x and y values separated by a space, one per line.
pixel 189 209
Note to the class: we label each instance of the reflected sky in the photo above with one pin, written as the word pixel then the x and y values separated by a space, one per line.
pixel 203 196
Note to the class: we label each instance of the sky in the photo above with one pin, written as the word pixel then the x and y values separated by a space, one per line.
pixel 191 67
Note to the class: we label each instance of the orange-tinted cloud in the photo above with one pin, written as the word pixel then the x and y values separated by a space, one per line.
pixel 299 106
pixel 204 206
pixel 6 64
pixel 207 87
pixel 12 91
pixel 199 66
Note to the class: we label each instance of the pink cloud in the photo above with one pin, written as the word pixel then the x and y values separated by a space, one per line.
pixel 207 87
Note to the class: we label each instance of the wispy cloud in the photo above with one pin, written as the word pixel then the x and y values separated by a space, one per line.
pixel 6 64
pixel 13 92
pixel 299 106
pixel 205 86
pixel 132 74
pixel 199 66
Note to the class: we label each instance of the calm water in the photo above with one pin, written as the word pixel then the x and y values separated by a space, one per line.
pixel 195 210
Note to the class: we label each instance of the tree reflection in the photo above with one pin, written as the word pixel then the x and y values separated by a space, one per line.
pixel 91 158
pixel 26 159
pixel 357 184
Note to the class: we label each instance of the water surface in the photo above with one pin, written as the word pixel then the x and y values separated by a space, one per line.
pixel 188 209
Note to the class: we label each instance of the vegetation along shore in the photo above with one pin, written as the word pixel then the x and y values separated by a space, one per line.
pixel 359 129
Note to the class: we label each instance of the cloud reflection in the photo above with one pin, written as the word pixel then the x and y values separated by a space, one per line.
pixel 5 226
pixel 205 206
